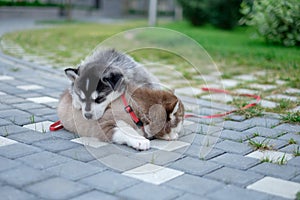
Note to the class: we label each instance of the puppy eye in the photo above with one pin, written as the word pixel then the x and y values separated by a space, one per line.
pixel 99 100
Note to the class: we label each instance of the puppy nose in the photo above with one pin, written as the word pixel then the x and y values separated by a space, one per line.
pixel 88 115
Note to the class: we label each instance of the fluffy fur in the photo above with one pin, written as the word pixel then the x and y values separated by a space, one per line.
pixel 96 82
pixel 160 111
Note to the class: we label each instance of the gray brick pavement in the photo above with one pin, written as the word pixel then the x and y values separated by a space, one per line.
pixel 50 166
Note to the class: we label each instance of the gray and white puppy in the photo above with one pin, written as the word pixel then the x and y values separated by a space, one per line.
pixel 99 79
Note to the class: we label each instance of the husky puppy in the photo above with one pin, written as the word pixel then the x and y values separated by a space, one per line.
pixel 90 88
pixel 160 112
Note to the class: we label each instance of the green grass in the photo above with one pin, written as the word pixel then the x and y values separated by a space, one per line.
pixel 240 102
pixel 291 117
pixel 262 145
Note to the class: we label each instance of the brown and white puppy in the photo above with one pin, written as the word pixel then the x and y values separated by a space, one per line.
pixel 161 113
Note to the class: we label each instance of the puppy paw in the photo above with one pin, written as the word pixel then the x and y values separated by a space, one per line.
pixel 140 144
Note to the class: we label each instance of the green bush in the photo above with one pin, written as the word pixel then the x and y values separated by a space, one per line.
pixel 196 11
pixel 278 21
pixel 224 14
pixel 221 13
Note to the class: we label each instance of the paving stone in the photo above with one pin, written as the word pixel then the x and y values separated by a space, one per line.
pixel 153 173
pixel 93 195
pixel 245 91
pixel 292 91
pixel 272 143
pixel 197 152
pixel 275 170
pixel 296 179
pixel 74 170
pixel 41 127
pixel 274 156
pixel 42 100
pixel 263 122
pixel 55 144
pixel 42 111
pixel 289 136
pixel 64 134
pixel 295 161
pixel 218 97
pixel 289 128
pixel 191 184
pixel 188 91
pixel 236 135
pixel 22 176
pixel 275 186
pixel 194 166
pixel 237 126
pixel 168 145
pixel 110 182
pixel 227 83
pixel 6 78
pixel 234 176
pixel 11 129
pixel 86 154
pixel 203 128
pixel 89 141
pixel 57 188
pixel 28 106
pixel 30 137
pixel 17 150
pixel 11 193
pixel 265 132
pixel 238 118
pixel 30 87
pixel 120 162
pixel 232 192
pixel 263 87
pixel 5 141
pixel 142 191
pixel 43 160
pixel 12 112
pixel 234 147
pixel 282 96
pixel 6 164
pixel 268 104
pixel 290 149
pixel 296 109
pixel 158 157
pixel 235 161
pixel 4 122
pixel 246 77
pixel 188 196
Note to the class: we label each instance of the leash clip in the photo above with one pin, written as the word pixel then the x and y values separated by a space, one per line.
pixel 56 126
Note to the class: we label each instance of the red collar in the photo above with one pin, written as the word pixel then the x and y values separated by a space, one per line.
pixel 129 110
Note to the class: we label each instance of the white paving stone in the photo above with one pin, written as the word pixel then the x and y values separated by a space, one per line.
pixel 274 156
pixel 292 91
pixel 245 91
pixel 295 109
pixel 30 87
pixel 218 97
pixel 5 141
pixel 42 127
pixel 42 99
pixel 268 104
pixel 153 173
pixel 246 77
pixel 263 87
pixel 2 93
pixel 280 82
pixel 275 186
pixel 282 96
pixel 168 145
pixel 229 83
pixel 189 91
pixel 6 78
pixel 89 141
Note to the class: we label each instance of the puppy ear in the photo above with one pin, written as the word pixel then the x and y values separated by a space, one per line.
pixel 71 73
pixel 114 79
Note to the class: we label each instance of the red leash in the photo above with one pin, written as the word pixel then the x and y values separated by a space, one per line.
pixel 57 125
pixel 215 90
